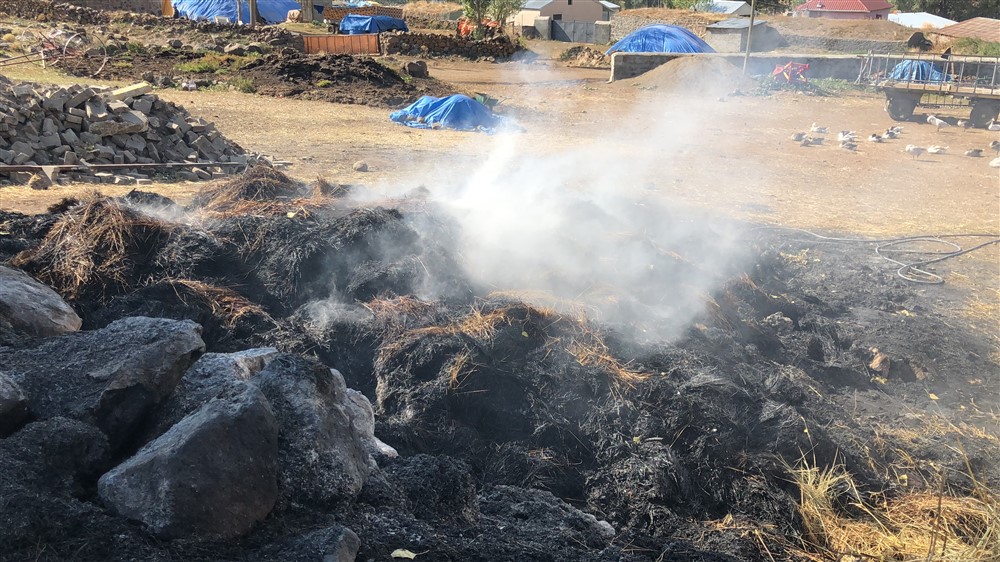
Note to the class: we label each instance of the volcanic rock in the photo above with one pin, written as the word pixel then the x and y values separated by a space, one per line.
pixel 29 306
pixel 213 475
pixel 13 406
pixel 329 544
pixel 110 377
pixel 322 460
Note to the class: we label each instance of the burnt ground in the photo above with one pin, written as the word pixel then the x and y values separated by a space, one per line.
pixel 285 74
pixel 499 406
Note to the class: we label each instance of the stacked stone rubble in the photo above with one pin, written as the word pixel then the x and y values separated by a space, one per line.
pixel 80 125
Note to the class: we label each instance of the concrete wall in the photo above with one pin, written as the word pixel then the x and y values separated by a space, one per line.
pixel 544 28
pixel 765 38
pixel 139 6
pixel 579 10
pixel 844 67
pixel 602 33
pixel 525 18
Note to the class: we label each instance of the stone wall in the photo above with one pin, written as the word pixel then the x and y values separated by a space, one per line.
pixel 843 67
pixel 623 25
pixel 334 15
pixel 835 45
pixel 428 44
pixel 139 6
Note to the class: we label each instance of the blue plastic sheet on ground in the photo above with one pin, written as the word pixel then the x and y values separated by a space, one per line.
pixel 353 24
pixel 271 11
pixel 453 112
pixel 661 39
pixel 916 71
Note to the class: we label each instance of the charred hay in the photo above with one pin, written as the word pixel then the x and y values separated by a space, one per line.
pixel 685 448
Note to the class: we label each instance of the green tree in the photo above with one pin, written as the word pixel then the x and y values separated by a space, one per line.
pixel 500 10
pixel 476 11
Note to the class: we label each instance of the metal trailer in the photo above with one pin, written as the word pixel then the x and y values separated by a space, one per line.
pixel 971 82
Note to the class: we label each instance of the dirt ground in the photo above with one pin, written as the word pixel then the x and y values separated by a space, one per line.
pixel 723 158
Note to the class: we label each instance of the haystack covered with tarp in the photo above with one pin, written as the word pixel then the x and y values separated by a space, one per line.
pixel 916 71
pixel 661 39
pixel 452 112
pixel 353 24
pixel 271 11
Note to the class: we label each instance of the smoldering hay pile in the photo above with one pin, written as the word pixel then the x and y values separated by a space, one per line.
pixel 525 430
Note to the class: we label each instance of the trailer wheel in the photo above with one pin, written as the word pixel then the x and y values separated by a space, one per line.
pixel 901 108
pixel 983 111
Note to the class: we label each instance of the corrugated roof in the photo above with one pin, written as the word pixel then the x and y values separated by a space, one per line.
pixel 735 23
pixel 845 5
pixel 610 5
pixel 722 6
pixel 536 4
pixel 919 20
pixel 980 28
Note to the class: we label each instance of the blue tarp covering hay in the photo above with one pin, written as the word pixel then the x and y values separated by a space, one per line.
pixel 661 39
pixel 353 24
pixel 271 11
pixel 453 112
pixel 916 71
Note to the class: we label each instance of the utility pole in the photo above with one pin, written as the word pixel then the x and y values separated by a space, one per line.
pixel 746 56
pixel 253 13
pixel 239 12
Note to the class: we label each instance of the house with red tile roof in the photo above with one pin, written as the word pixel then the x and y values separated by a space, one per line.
pixel 846 9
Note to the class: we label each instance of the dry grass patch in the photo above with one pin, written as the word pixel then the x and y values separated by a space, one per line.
pixel 921 526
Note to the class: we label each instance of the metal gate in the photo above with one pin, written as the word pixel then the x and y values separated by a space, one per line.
pixel 364 44
pixel 573 31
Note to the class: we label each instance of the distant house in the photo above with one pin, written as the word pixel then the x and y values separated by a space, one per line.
pixel 565 10
pixel 730 36
pixel 845 9
pixel 920 20
pixel 727 7
pixel 987 29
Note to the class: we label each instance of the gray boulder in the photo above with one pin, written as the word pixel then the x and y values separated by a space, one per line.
pixel 359 409
pixel 322 459
pixel 213 475
pixel 207 378
pixel 329 544
pixel 110 377
pixel 13 406
pixel 34 308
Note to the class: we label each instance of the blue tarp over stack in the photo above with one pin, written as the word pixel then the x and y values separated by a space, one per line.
pixel 271 11
pixel 453 112
pixel 353 24
pixel 916 71
pixel 661 39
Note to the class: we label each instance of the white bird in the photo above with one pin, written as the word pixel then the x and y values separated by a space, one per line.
pixel 848 145
pixel 939 123
pixel 798 136
pixel 874 138
pixel 896 129
pixel 995 163
pixel 993 125
pixel 935 149
pixel 995 146
pixel 817 129
pixel 890 134
pixel 816 140
pixel 974 152
pixel 964 124
pixel 914 151
pixel 845 136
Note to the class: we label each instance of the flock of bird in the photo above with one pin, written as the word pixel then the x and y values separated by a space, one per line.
pixel 849 139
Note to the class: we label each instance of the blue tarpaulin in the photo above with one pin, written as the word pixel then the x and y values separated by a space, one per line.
pixel 271 11
pixel 452 112
pixel 661 39
pixel 916 71
pixel 353 24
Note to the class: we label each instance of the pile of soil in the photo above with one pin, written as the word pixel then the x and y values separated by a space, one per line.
pixel 506 413
pixel 696 75
pixel 337 78
pixel 585 57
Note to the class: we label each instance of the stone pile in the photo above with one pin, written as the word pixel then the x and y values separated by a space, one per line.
pixel 428 44
pixel 82 126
